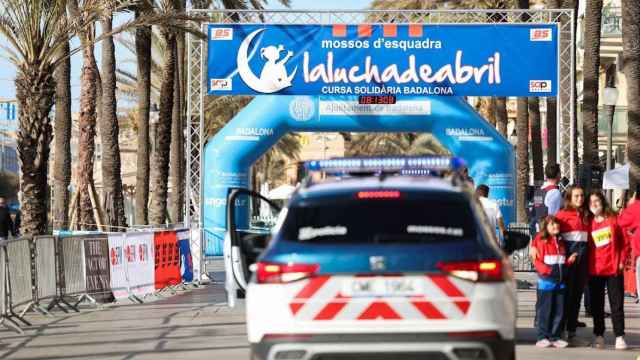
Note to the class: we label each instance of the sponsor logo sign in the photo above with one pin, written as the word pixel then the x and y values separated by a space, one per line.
pixel 354 108
pixel 541 34
pixel 540 86
pixel 221 33
pixel 382 59
pixel 221 85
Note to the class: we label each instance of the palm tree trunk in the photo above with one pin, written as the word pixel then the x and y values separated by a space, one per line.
pixel 502 117
pixel 591 70
pixel 143 55
pixel 631 51
pixel 160 158
pixel 522 150
pixel 552 130
pixel 86 143
pixel 552 113
pixel 536 140
pixel 492 111
pixel 35 91
pixel 62 137
pixel 177 137
pixel 109 131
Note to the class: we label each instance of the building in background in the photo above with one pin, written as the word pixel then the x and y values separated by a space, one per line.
pixel 8 128
pixel 610 58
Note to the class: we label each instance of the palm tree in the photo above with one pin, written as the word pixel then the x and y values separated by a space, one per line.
pixel 395 144
pixel 87 120
pixel 552 128
pixel 143 86
pixel 37 31
pixel 62 137
pixel 552 116
pixel 502 117
pixel 270 167
pixel 177 156
pixel 522 147
pixel 522 156
pixel 536 139
pixel 113 198
pixel 159 173
pixel 631 53
pixel 591 71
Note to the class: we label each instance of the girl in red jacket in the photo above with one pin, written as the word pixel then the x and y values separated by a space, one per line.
pixel 629 220
pixel 550 265
pixel 607 253
pixel 574 229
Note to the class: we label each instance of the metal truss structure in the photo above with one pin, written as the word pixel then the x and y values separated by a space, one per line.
pixel 196 88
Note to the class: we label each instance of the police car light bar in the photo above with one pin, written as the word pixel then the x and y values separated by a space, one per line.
pixel 414 165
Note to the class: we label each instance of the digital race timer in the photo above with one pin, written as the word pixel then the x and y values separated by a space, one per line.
pixel 376 99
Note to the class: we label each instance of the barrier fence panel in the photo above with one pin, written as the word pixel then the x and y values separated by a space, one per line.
pixel 520 260
pixel 45 260
pixel 97 271
pixel 19 271
pixel 73 266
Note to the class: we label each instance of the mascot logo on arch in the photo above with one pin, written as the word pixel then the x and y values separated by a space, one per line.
pixel 274 75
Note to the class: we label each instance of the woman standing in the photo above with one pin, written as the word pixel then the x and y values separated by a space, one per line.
pixel 629 220
pixel 607 253
pixel 574 229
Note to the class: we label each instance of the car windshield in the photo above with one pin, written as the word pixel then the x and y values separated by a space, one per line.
pixel 409 219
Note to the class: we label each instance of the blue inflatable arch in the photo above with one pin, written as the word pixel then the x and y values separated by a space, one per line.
pixel 229 155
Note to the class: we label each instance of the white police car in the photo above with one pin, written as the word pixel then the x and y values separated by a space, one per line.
pixel 378 266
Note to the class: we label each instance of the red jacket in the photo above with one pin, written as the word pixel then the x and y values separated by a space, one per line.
pixel 575 231
pixel 607 248
pixel 629 221
pixel 551 259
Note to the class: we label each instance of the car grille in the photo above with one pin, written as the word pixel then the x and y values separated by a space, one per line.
pixel 383 356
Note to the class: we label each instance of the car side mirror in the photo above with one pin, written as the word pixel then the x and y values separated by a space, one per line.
pixel 514 241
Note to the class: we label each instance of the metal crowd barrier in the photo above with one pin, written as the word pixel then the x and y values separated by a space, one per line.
pixel 46 272
pixel 520 260
pixel 6 318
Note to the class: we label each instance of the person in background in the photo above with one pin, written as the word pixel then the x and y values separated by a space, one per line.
pixel 547 200
pixel 574 229
pixel 465 175
pixel 6 224
pixel 551 268
pixel 491 208
pixel 629 221
pixel 17 221
pixel 607 253
pixel 551 189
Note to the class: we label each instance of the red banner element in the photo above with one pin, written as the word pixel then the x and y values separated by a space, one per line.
pixel 167 259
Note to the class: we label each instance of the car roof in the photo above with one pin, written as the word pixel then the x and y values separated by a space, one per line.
pixel 396 182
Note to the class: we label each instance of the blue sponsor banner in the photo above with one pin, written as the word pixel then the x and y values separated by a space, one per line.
pixel 383 59
pixel 186 263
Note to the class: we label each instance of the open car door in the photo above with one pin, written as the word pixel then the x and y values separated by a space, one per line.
pixel 245 240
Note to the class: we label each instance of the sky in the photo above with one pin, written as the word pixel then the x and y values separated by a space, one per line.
pixel 8 73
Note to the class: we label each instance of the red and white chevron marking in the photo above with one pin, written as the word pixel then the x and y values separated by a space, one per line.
pixel 321 298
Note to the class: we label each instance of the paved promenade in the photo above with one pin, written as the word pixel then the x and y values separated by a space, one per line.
pixel 197 325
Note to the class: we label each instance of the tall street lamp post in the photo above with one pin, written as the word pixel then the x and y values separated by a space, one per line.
pixel 609 99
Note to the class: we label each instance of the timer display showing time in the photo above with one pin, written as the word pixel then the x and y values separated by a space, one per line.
pixel 376 99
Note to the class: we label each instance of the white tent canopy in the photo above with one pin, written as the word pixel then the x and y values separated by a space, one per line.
pixel 282 192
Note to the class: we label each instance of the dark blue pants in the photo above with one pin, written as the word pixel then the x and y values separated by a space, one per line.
pixel 549 313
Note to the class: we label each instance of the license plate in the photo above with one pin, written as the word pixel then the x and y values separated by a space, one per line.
pixel 382 286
